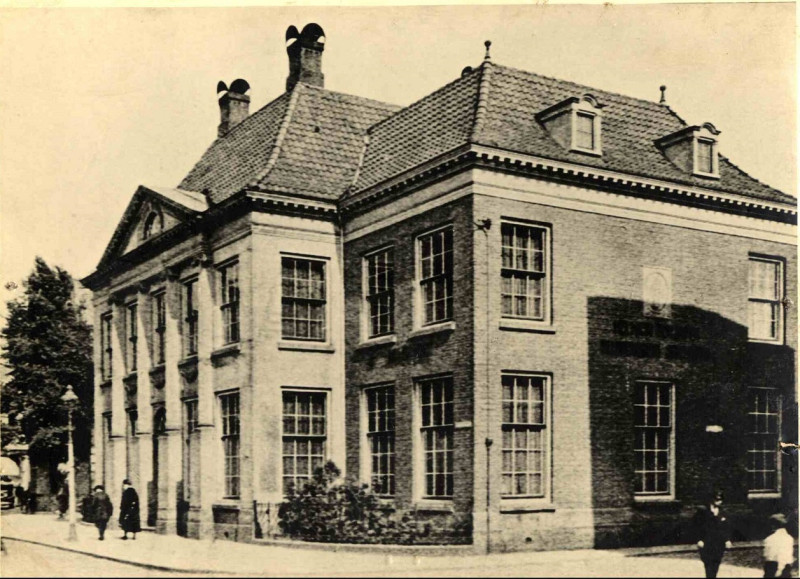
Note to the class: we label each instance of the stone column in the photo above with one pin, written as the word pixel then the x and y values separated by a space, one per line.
pixel 144 427
pixel 118 415
pixel 171 471
pixel 208 465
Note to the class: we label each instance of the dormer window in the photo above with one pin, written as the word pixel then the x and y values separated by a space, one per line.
pixel 693 150
pixel 575 124
pixel 153 225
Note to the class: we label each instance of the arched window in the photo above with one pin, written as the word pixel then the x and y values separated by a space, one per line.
pixel 152 225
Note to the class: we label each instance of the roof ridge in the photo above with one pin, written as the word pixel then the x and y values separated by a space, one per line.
pixel 284 128
pixel 482 101
pixel 411 106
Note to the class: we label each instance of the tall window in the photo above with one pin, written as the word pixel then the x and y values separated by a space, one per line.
pixel 159 327
pixel 436 405
pixel 705 159
pixel 764 422
pixel 584 131
pixel 653 440
pixel 190 426
pixel 303 297
pixel 380 435
pixel 229 285
pixel 380 292
pixel 107 458
pixel 132 334
pixel 524 281
pixel 106 352
pixel 436 275
pixel 229 409
pixel 190 317
pixel 766 294
pixel 524 436
pixel 304 436
pixel 130 441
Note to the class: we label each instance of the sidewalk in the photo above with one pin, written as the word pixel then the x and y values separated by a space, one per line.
pixel 173 553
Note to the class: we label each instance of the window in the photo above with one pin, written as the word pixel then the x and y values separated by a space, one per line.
pixel 653 440
pixel 152 225
pixel 436 276
pixel 130 442
pixel 436 406
pixel 380 436
pixel 190 426
pixel 133 418
pixel 229 285
pixel 303 304
pixel 133 337
pixel 106 351
pixel 705 158
pixel 524 273
pixel 584 131
pixel 190 405
pixel 304 436
pixel 159 420
pixel 764 421
pixel 380 292
pixel 159 327
pixel 524 436
pixel 766 294
pixel 229 406
pixel 190 317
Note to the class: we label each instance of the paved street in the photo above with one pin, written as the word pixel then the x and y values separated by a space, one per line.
pixel 192 558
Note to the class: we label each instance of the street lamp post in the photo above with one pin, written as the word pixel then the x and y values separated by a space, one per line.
pixel 69 398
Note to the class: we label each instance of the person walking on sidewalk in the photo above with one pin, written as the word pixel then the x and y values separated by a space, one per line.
pixel 129 510
pixel 101 509
pixel 714 532
pixel 778 549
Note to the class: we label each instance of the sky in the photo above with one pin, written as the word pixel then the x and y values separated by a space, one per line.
pixel 94 102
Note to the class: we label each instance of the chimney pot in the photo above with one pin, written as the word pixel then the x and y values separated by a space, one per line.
pixel 234 105
pixel 305 55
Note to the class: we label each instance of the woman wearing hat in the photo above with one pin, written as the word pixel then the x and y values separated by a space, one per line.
pixel 129 510
pixel 101 509
pixel 778 549
pixel 714 532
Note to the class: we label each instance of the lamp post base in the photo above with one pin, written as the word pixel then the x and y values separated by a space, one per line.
pixel 73 534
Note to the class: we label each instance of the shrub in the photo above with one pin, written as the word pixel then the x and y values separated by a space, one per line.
pixel 329 511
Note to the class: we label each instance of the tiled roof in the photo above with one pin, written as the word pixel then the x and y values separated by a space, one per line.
pixel 306 142
pixel 506 101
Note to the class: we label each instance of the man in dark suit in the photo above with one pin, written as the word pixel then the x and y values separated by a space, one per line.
pixel 714 533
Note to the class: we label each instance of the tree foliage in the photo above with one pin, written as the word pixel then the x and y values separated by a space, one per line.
pixel 47 345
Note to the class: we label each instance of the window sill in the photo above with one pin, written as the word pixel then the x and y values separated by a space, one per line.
pixel 706 175
pixel 229 350
pixel 592 152
pixel 105 383
pixel 527 326
pixel 379 341
pixel 765 341
pixel 526 505
pixel 768 496
pixel 656 502
pixel 230 504
pixel 434 505
pixel 324 347
pixel 188 360
pixel 433 329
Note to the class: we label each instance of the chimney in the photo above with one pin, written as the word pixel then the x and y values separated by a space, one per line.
pixel 305 55
pixel 234 105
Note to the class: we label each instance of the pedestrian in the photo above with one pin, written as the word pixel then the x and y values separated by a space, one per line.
pixel 101 509
pixel 778 549
pixel 714 533
pixel 129 510
pixel 21 498
pixel 62 500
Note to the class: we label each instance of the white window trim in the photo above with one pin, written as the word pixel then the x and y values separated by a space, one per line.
pixel 327 341
pixel 779 337
pixel 714 156
pixel 221 495
pixel 365 454
pixel 219 338
pixel 515 323
pixel 525 502
pixel 364 315
pixel 153 314
pixel 418 448
pixel 586 109
pixel 327 453
pixel 654 497
pixel 184 283
pixel 779 462
pixel 417 307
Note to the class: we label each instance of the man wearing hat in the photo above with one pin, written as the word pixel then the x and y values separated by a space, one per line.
pixel 778 549
pixel 101 509
pixel 714 533
pixel 129 510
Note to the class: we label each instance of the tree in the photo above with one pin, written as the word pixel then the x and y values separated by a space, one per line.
pixel 47 345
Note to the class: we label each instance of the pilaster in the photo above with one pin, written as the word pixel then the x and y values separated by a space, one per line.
pixel 117 442
pixel 144 427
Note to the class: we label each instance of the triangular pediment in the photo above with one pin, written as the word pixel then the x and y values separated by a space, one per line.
pixel 151 213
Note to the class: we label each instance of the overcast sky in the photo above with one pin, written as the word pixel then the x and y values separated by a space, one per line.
pixel 94 102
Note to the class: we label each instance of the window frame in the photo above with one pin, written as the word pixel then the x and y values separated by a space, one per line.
pixel 420 321
pixel 644 496
pixel 324 302
pixel 106 346
pixel 309 437
pixel 227 436
pixel 368 303
pixel 545 427
pixel 546 275
pixel 159 309
pixel 706 139
pixel 367 455
pixel 230 302
pixel 132 336
pixel 778 490
pixel 190 316
pixel 778 301
pixel 420 448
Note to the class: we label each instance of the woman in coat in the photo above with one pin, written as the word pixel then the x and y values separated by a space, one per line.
pixel 129 510
pixel 101 509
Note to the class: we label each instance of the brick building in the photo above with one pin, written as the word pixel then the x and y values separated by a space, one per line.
pixel 548 314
